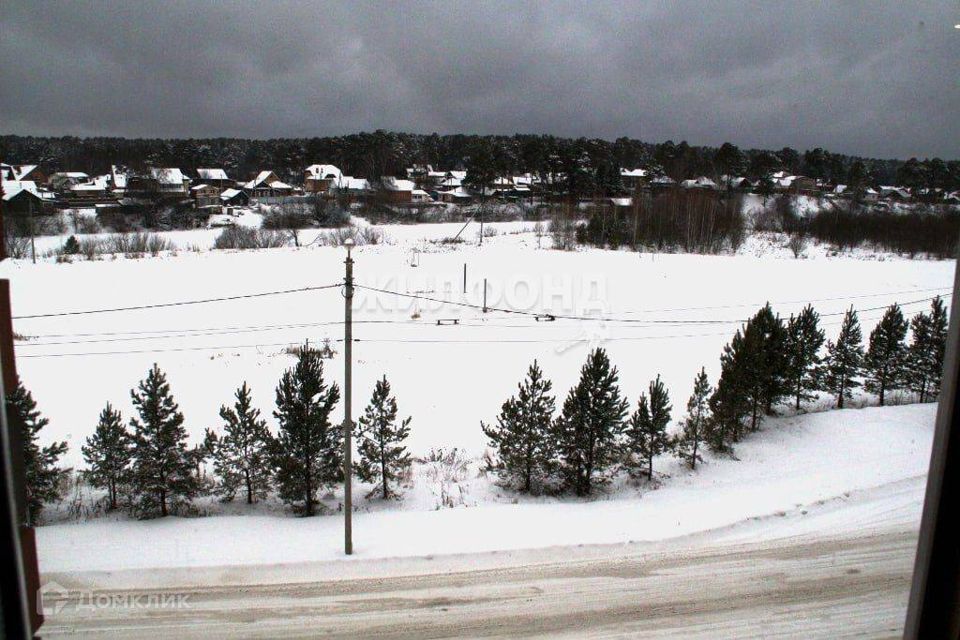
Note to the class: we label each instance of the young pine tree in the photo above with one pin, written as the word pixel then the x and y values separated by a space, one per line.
pixel 729 403
pixel 646 432
pixel 802 348
pixel 764 359
pixel 844 359
pixel 590 425
pixel 107 453
pixel 307 450
pixel 688 441
pixel 383 457
pixel 241 455
pixel 938 342
pixel 162 475
pixel 522 438
pixel 925 353
pixel 885 361
pixel 43 476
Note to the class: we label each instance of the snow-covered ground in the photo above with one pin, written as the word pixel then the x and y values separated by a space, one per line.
pixel 665 314
pixel 855 469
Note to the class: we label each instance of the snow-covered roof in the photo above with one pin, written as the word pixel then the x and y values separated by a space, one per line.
pixel 353 184
pixel 700 183
pixel 420 192
pixel 459 192
pixel 663 180
pixel 119 177
pixel 622 202
pixel 89 186
pixel 277 184
pixel 633 173
pixel 11 188
pixel 16 172
pixel 227 194
pixel 321 171
pixel 167 175
pixel 212 174
pixel 393 184
pixel 70 174
pixel 259 180
pixel 197 187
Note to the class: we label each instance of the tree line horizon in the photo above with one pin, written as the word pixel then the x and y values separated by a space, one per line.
pixel 387 153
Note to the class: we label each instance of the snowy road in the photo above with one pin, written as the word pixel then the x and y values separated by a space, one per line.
pixel 841 586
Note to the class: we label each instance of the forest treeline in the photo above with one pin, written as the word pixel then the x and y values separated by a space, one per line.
pixel 591 165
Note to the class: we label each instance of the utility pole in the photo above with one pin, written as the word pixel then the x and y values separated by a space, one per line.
pixel 347 389
pixel 464 277
pixel 484 295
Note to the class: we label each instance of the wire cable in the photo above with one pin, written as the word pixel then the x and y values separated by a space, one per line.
pixel 175 304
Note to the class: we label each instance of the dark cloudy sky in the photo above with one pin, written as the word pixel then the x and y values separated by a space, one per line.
pixel 872 78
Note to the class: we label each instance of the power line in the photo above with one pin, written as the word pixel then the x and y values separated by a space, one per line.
pixel 175 304
pixel 171 350
pixel 598 318
pixel 567 340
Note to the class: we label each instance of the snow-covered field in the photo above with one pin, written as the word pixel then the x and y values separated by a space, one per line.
pixel 671 315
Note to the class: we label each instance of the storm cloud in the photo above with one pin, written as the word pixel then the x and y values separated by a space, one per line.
pixel 861 78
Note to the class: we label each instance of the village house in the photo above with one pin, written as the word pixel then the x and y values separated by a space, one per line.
pixel 169 181
pixel 23 172
pixel 633 179
pixel 268 188
pixel 234 198
pixel 63 180
pixel 794 184
pixel 205 195
pixel 353 189
pixel 321 178
pixel 22 197
pixel 397 191
pixel 702 182
pixel 214 177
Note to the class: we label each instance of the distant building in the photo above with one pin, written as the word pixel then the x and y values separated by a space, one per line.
pixel 633 179
pixel 214 177
pixel 321 178
pixel 21 197
pixel 267 187
pixel 398 191
pixel 234 198
pixel 205 195
pixel 170 181
pixel 63 180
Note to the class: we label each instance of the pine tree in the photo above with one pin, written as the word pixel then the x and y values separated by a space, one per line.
pixel 107 453
pixel 42 474
pixel 764 380
pixel 241 455
pixel 307 452
pixel 886 357
pixel 926 351
pixel 646 433
pixel 162 475
pixel 938 343
pixel 729 403
pixel 383 457
pixel 844 359
pixel 522 439
pixel 804 339
pixel 590 425
pixel 695 425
